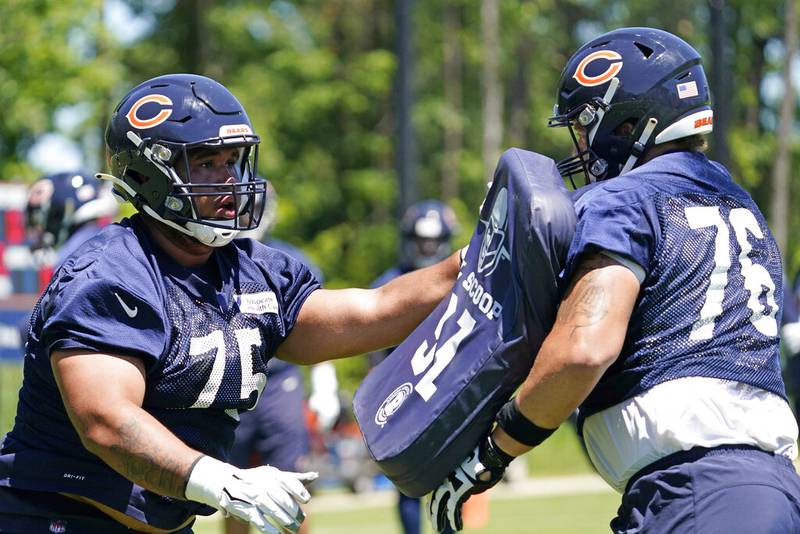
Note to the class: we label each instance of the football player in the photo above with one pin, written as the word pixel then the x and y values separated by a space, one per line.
pixel 156 333
pixel 65 209
pixel 274 432
pixel 426 232
pixel 61 212
pixel 667 333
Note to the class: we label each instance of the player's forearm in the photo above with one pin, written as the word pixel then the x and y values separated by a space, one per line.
pixel 408 299
pixel 586 339
pixel 553 391
pixel 142 450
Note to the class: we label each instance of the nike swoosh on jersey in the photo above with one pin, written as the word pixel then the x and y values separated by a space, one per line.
pixel 128 310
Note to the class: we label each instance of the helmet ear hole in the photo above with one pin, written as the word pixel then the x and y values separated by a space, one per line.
pixel 626 127
pixel 139 177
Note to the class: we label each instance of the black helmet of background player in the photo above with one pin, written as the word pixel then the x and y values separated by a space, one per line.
pixel 647 78
pixel 61 203
pixel 149 136
pixel 426 230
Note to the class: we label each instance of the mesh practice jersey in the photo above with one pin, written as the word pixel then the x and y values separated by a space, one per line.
pixel 205 336
pixel 709 303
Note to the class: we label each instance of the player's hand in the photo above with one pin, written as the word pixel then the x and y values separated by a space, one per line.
pixel 265 497
pixel 481 470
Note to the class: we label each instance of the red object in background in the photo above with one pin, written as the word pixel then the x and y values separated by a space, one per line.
pixel 3 270
pixel 14 226
pixel 45 274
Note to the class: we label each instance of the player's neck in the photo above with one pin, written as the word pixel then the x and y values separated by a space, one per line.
pixel 184 249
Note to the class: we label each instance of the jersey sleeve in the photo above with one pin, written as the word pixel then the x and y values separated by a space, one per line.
pixel 293 281
pixel 627 230
pixel 102 315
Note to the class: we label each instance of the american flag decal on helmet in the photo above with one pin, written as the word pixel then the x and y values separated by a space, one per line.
pixel 687 90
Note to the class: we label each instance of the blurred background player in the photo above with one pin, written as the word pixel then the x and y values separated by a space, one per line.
pixel 64 210
pixel 426 232
pixel 274 432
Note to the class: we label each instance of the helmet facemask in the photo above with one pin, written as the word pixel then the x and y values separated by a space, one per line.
pixel 588 118
pixel 183 199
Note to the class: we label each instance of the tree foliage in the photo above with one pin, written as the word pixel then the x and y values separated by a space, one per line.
pixel 316 77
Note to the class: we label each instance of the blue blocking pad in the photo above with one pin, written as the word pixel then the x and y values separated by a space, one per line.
pixel 423 409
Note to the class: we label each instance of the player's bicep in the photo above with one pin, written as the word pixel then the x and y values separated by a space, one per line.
pixel 594 313
pixel 94 385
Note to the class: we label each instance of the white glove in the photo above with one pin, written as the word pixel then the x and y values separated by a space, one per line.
pixel 324 399
pixel 481 470
pixel 264 496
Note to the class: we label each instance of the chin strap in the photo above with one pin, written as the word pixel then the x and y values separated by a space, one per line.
pixel 638 147
pixel 601 111
pixel 213 237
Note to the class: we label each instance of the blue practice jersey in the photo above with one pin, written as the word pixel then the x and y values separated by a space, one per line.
pixel 709 303
pixel 74 241
pixel 205 336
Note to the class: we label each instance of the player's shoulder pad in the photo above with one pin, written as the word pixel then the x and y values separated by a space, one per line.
pixel 115 257
pixel 630 188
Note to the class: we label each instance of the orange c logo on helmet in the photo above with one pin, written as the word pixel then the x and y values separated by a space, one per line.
pixel 612 70
pixel 161 116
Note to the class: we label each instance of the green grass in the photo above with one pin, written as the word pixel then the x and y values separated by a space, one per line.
pixel 10 381
pixel 575 514
pixel 561 454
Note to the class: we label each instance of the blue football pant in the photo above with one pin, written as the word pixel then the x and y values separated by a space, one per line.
pixel 33 512
pixel 723 490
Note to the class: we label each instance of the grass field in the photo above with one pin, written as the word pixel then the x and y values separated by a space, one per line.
pixel 10 380
pixel 567 512
pixel 563 514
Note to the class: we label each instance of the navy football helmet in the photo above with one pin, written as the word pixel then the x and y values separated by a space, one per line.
pixel 646 77
pixel 59 204
pixel 150 135
pixel 426 230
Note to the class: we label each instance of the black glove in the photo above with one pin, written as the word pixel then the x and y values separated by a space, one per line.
pixel 481 470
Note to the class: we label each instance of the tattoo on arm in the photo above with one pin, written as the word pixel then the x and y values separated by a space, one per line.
pixel 145 462
pixel 587 302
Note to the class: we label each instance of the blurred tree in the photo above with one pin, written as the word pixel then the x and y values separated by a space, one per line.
pixel 779 201
pixel 717 78
pixel 52 76
pixel 492 85
pixel 452 82
pixel 316 77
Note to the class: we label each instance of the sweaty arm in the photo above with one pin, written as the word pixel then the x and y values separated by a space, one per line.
pixel 585 340
pixel 103 395
pixel 343 322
